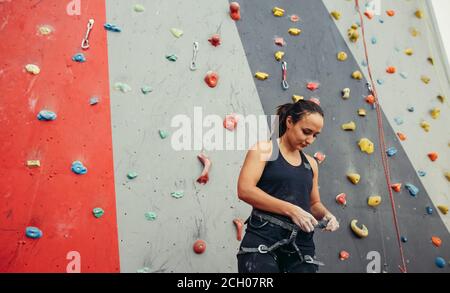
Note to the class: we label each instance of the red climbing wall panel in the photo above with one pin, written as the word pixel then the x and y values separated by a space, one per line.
pixel 51 197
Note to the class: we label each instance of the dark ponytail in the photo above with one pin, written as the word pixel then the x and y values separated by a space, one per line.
pixel 297 111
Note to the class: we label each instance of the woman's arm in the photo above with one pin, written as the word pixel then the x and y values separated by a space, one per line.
pixel 318 210
pixel 251 172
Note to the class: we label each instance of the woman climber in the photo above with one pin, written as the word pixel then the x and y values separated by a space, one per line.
pixel 281 183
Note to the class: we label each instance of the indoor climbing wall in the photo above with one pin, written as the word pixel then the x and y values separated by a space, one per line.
pixel 91 180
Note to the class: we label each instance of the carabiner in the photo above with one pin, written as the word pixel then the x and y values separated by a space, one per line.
pixel 194 56
pixel 85 42
pixel 284 82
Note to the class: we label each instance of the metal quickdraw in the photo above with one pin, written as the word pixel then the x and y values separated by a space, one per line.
pixel 284 82
pixel 194 56
pixel 85 42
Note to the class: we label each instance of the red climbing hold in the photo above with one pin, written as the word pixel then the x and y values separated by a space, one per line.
pixel 343 255
pixel 215 40
pixel 211 78
pixel 312 86
pixel 341 199
pixel 396 187
pixel 235 11
pixel 433 156
pixel 230 122
pixel 199 246
pixel 239 228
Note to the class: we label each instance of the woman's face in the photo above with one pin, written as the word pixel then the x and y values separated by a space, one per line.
pixel 305 131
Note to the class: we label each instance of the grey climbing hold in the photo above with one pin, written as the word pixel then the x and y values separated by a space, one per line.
pixel 46 115
pixel 132 175
pixel 78 168
pixel 413 190
pixel 112 27
pixel 380 81
pixel 146 89
pixel 93 100
pixel 364 63
pixel 79 57
pixel 404 75
pixel 150 216
pixel 98 212
pixel 177 194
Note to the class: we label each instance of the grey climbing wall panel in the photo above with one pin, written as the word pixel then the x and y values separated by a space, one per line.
pixel 312 57
pixel 137 57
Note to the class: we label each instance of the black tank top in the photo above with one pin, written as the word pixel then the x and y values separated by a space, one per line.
pixel 287 182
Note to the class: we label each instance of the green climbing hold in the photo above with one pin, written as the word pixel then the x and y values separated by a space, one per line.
pixel 123 87
pixel 139 8
pixel 146 89
pixel 177 194
pixel 144 270
pixel 150 216
pixel 163 134
pixel 172 57
pixel 132 175
pixel 98 212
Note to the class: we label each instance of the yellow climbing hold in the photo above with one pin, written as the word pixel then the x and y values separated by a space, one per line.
pixel 425 125
pixel 409 51
pixel 33 69
pixel 335 14
pixel 431 60
pixel 177 33
pixel 414 32
pixel 342 56
pixel 352 33
pixel 45 30
pixel 447 175
pixel 443 209
pixel 296 98
pixel 294 31
pixel 277 11
pixel 366 145
pixel 374 200
pixel 357 75
pixel 33 163
pixel 425 79
pixel 261 75
pixel 346 93
pixel 354 177
pixel 441 98
pixel 349 126
pixel 362 112
pixel 435 113
pixel 360 232
pixel 279 55
pixel 419 14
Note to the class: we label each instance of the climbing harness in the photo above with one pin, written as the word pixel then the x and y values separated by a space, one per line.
pixel 194 56
pixel 372 89
pixel 284 82
pixel 263 249
pixel 85 42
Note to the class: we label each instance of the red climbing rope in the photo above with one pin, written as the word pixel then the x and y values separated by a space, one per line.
pixel 382 143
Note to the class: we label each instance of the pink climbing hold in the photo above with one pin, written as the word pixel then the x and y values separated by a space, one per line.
pixel 199 246
pixel 320 157
pixel 204 177
pixel 235 11
pixel 341 199
pixel 230 122
pixel 279 41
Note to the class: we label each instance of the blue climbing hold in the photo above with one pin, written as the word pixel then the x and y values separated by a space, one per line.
pixel 374 40
pixel 398 120
pixel 381 20
pixel 440 262
pixel 412 189
pixel 429 210
pixel 112 27
pixel 404 239
pixel 78 168
pixel 46 115
pixel 33 232
pixel 421 173
pixel 391 151
pixel 79 57
pixel 93 100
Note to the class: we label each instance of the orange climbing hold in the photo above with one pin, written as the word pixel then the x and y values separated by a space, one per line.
pixel 235 11
pixel 391 70
pixel 433 156
pixel 401 136
pixel 369 14
pixel 436 241
pixel 211 79
pixel 370 99
pixel 343 255
pixel 396 187
pixel 239 228
pixel 390 12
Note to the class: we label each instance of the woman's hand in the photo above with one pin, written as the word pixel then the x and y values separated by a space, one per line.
pixel 333 224
pixel 303 219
